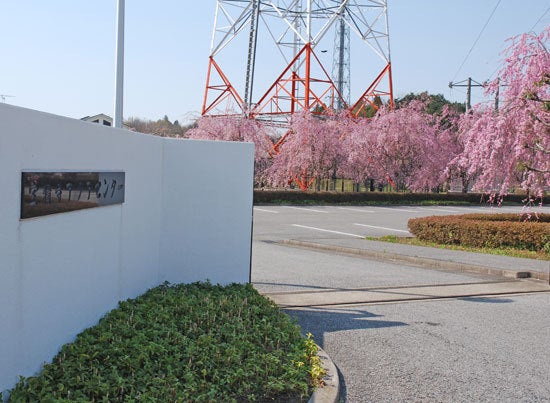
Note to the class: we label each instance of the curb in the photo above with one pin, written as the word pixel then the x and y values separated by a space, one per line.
pixel 330 393
pixel 422 261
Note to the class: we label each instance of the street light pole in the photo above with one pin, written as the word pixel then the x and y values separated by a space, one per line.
pixel 119 68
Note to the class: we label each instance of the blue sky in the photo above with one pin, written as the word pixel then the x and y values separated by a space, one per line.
pixel 58 56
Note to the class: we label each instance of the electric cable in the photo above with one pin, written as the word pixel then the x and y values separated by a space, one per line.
pixel 539 20
pixel 477 40
pixel 530 30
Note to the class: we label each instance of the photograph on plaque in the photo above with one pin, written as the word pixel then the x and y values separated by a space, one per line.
pixel 44 193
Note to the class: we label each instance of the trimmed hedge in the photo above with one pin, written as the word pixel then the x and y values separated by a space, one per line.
pixel 299 197
pixel 484 230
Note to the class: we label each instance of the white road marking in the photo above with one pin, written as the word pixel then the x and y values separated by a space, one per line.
pixel 327 230
pixel 356 210
pixel 265 211
pixel 387 229
pixel 439 209
pixel 306 209
pixel 397 209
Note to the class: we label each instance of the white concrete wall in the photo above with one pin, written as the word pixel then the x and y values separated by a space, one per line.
pixel 186 217
pixel 204 207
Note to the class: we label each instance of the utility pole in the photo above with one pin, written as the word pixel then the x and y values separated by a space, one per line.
pixel 468 83
pixel 469 94
pixel 497 94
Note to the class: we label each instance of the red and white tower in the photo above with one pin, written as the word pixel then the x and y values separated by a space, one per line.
pixel 270 59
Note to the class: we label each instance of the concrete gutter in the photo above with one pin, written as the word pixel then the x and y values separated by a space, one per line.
pixel 424 262
pixel 377 295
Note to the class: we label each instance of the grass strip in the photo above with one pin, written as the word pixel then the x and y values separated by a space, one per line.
pixel 527 254
pixel 196 342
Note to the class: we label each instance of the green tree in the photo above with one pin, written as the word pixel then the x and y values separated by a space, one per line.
pixel 370 109
pixel 434 103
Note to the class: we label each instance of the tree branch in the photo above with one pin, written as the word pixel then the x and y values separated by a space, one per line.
pixel 540 171
pixel 537 147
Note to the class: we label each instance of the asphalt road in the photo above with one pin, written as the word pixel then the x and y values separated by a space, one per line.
pixel 461 350
pixel 300 222
pixel 443 349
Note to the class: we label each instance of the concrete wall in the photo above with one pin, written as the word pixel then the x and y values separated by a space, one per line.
pixel 186 217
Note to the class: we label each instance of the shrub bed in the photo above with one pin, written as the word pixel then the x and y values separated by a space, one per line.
pixel 485 231
pixel 297 196
pixel 195 342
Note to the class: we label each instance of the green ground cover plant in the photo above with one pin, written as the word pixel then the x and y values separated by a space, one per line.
pixel 177 343
pixel 495 231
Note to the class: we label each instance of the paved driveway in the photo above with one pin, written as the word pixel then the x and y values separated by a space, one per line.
pixel 474 348
pixel 300 222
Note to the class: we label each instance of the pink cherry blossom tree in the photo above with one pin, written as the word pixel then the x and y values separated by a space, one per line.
pixel 407 148
pixel 311 151
pixel 231 128
pixel 453 127
pixel 358 144
pixel 511 147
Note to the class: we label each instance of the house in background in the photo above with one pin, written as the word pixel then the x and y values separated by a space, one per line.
pixel 102 119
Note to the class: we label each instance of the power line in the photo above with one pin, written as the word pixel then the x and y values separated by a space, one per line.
pixel 493 73
pixel 477 39
pixel 539 20
pixel 530 30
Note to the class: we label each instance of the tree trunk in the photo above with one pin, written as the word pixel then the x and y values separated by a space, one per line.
pixel 465 183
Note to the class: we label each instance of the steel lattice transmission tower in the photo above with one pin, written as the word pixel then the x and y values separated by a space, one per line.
pixel 341 65
pixel 267 58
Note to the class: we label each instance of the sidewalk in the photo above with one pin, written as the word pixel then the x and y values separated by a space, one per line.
pixel 436 258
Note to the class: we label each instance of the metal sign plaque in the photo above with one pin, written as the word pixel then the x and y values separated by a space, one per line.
pixel 44 193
